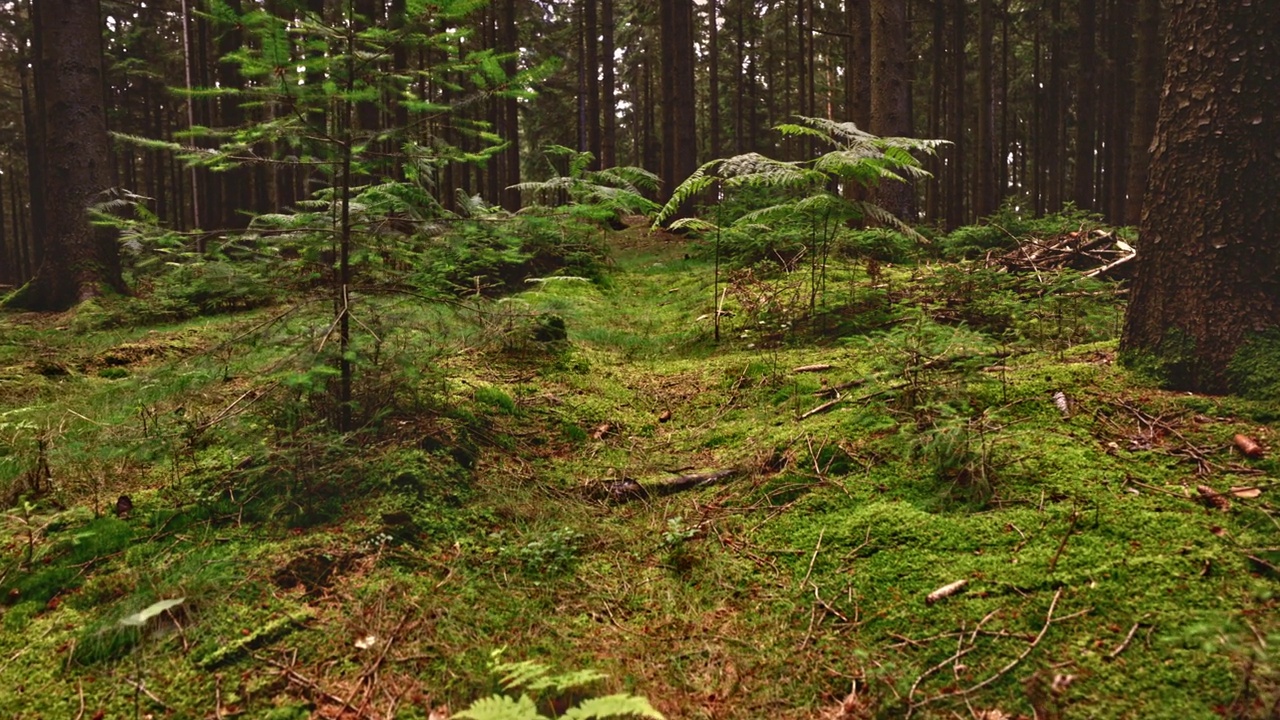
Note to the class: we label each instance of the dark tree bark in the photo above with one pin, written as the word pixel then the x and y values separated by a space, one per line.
pixel 80 261
pixel 713 80
pixel 1146 101
pixel 511 107
pixel 679 132
pixel 985 201
pixel 1119 109
pixel 1086 106
pixel 1055 110
pixel 889 98
pixel 958 157
pixel 1205 304
pixel 591 63
pixel 608 99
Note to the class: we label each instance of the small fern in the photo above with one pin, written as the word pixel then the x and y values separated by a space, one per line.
pixel 537 681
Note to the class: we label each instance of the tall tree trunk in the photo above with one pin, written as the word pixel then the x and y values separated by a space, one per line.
pixel 739 102
pixel 956 205
pixel 1205 306
pixel 889 102
pixel 985 202
pixel 1146 101
pixel 1055 112
pixel 608 89
pixel 1086 107
pixel 937 111
pixel 591 60
pixel 33 132
pixel 713 80
pixel 679 145
pixel 510 44
pixel 80 261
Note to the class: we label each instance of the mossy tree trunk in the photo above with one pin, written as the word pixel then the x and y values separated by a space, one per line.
pixel 79 260
pixel 1206 299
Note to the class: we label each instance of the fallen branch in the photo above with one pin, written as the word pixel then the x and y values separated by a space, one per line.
pixel 841 398
pixel 1125 644
pixel 819 367
pixel 1048 620
pixel 627 490
pixel 945 591
pixel 140 686
pixel 813 559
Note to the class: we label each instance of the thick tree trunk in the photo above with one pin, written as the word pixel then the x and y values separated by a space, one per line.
pixel 1086 107
pixel 1146 101
pixel 1205 309
pixel 591 61
pixel 889 111
pixel 956 206
pixel 713 80
pixel 511 127
pixel 608 100
pixel 985 202
pixel 679 132
pixel 80 261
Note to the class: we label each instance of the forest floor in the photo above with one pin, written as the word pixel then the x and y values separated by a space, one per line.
pixel 642 500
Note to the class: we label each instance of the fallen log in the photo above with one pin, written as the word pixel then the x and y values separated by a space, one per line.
pixel 627 489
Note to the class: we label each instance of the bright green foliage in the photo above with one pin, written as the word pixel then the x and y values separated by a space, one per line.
pixel 1014 224
pixel 610 192
pixel 538 683
pixel 801 192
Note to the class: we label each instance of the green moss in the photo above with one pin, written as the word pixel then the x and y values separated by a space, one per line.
pixel 1254 372
pixel 1172 364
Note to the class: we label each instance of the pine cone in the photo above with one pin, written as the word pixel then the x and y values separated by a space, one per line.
pixel 1213 498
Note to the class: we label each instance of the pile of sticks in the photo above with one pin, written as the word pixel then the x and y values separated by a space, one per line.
pixel 1098 253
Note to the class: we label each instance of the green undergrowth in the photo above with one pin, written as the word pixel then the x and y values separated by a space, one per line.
pixel 477 508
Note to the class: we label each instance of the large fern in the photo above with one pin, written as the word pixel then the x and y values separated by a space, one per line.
pixel 617 189
pixel 805 188
pixel 537 680
pixel 857 156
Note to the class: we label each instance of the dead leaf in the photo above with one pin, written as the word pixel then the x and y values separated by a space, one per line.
pixel 664 416
pixel 1246 492
pixel 601 430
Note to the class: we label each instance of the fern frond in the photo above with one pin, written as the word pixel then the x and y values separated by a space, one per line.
pixel 630 177
pixel 695 224
pixel 520 674
pixel 613 706
pixel 888 219
pixel 500 707
pixel 565 681
pixel 793 130
pixel 762 217
pixel 694 185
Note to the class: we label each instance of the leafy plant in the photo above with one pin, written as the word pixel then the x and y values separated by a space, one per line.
pixel 537 684
pixel 808 191
pixel 551 554
pixel 609 192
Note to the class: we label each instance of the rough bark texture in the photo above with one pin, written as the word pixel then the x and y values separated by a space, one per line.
pixel 1206 301
pixel 889 112
pixel 679 134
pixel 1146 103
pixel 80 261
pixel 1086 107
pixel 985 200
pixel 608 101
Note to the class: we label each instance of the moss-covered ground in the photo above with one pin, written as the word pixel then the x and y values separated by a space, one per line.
pixel 1118 557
